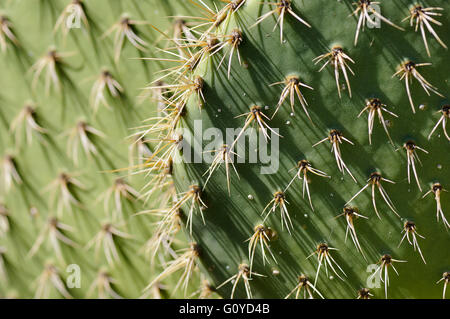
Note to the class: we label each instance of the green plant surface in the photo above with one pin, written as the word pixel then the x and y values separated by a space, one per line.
pixel 230 219
pixel 27 247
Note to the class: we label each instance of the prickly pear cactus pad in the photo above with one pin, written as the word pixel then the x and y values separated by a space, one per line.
pixel 234 149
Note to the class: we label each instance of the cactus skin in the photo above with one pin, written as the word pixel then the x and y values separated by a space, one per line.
pixel 28 205
pixel 230 219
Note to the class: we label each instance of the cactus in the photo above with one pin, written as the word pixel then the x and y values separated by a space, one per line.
pixel 129 149
pixel 71 95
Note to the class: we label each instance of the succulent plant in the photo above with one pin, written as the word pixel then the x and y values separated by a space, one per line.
pixel 239 148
